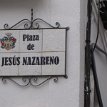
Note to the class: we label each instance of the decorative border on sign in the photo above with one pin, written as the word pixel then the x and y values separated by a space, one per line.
pixel 37 80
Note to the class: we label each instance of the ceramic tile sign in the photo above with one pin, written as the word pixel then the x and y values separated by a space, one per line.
pixel 32 52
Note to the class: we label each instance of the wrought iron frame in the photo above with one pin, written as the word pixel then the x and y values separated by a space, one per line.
pixel 34 24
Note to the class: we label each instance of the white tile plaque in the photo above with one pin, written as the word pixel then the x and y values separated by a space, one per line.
pixel 9 64
pixel 55 64
pixel 38 52
pixel 54 40
pixel 29 64
pixel 30 38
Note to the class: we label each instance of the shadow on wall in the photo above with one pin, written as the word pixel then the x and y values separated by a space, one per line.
pixel 12 11
pixel 11 4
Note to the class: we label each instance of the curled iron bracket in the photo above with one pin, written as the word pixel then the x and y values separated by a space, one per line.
pixel 31 24
pixel 29 81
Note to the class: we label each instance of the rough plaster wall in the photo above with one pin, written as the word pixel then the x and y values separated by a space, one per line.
pixel 66 92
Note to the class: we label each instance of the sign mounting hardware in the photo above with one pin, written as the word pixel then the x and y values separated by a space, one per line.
pixel 34 51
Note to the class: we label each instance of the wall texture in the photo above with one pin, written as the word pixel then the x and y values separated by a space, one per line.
pixel 67 92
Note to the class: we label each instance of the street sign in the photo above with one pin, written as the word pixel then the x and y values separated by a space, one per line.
pixel 37 52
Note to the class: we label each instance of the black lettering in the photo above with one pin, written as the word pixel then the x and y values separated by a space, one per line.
pixel 42 60
pixel 2 61
pixel 29 38
pixel 14 60
pixel 29 61
pixel 24 37
pixel 47 61
pixel 33 60
pixel 30 47
pixel 18 61
pixel 56 60
pixel 37 61
pixel 6 60
pixel 52 60
pixel 35 37
pixel 10 61
pixel 24 60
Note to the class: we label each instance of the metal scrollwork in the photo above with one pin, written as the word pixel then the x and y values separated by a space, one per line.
pixel 37 26
pixel 29 81
pixel 6 26
pixel 25 81
pixel 32 24
pixel 57 24
pixel 55 79
pixel 26 25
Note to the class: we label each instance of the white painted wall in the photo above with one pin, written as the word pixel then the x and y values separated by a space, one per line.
pixel 67 92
